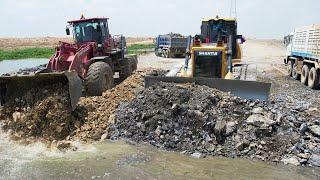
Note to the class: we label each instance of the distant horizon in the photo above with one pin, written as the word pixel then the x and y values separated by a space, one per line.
pixel 258 19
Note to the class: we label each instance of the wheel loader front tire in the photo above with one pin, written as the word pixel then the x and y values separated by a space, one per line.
pixel 99 78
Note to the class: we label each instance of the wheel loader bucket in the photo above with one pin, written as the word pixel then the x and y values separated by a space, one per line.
pixel 12 87
pixel 244 89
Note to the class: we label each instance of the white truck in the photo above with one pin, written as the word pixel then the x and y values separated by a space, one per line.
pixel 303 55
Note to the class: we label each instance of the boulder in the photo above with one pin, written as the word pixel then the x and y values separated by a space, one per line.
pixel 257 110
pixel 315 160
pixel 315 130
pixel 260 120
pixel 291 160
pixel 231 127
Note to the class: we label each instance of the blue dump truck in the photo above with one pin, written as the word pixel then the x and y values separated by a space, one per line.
pixel 171 45
pixel 303 55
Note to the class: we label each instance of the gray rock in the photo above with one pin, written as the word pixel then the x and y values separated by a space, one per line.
pixel 220 129
pixel 257 110
pixel 197 155
pixel 291 160
pixel 315 129
pixel 315 160
pixel 260 120
pixel 303 128
pixel 242 145
pixel 231 127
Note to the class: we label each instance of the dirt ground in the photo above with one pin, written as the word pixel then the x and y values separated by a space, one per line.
pixel 19 43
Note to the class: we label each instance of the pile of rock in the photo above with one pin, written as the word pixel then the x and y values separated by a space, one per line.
pixel 97 112
pixel 202 121
pixel 45 113
pixel 42 113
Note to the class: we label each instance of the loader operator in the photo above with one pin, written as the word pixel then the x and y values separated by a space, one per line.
pixel 88 32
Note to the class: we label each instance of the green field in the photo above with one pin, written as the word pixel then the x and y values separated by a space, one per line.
pixel 48 52
pixel 26 53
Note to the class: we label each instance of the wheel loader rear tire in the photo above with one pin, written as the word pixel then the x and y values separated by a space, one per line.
pixel 134 63
pixel 127 69
pixel 313 79
pixel 99 78
pixel 305 74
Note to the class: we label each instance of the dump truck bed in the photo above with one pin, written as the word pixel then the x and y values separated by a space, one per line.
pixel 306 42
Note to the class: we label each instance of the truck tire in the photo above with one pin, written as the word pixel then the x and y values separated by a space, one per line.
pixel 169 54
pixel 126 70
pixel 165 53
pixel 305 74
pixel 99 78
pixel 295 74
pixel 313 79
pixel 290 68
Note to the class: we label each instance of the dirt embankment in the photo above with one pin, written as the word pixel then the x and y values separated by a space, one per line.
pixel 44 113
pixel 51 42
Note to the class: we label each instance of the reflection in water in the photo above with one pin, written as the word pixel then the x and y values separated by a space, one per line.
pixel 7 66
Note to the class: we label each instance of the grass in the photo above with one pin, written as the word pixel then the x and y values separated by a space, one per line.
pixel 26 53
pixel 140 48
pixel 48 52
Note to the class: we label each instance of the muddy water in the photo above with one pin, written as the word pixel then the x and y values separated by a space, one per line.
pixel 7 66
pixel 119 160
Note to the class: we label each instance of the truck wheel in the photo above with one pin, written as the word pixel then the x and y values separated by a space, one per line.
pixel 126 70
pixel 99 78
pixel 313 80
pixel 165 53
pixel 305 74
pixel 295 74
pixel 290 68
pixel 169 54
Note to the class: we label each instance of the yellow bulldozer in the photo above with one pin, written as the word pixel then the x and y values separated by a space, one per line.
pixel 211 60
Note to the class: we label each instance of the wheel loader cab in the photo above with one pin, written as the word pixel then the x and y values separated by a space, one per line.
pixel 90 30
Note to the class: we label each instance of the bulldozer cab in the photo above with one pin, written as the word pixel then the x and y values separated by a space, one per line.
pixel 220 29
pixel 90 30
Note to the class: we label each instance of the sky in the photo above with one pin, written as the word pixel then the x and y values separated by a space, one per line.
pixel 256 18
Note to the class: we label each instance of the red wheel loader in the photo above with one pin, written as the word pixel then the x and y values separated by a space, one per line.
pixel 88 65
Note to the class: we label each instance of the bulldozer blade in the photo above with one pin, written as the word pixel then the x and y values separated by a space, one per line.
pixel 17 86
pixel 252 90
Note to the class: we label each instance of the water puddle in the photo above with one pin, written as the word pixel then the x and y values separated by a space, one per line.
pixel 7 66
pixel 119 160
